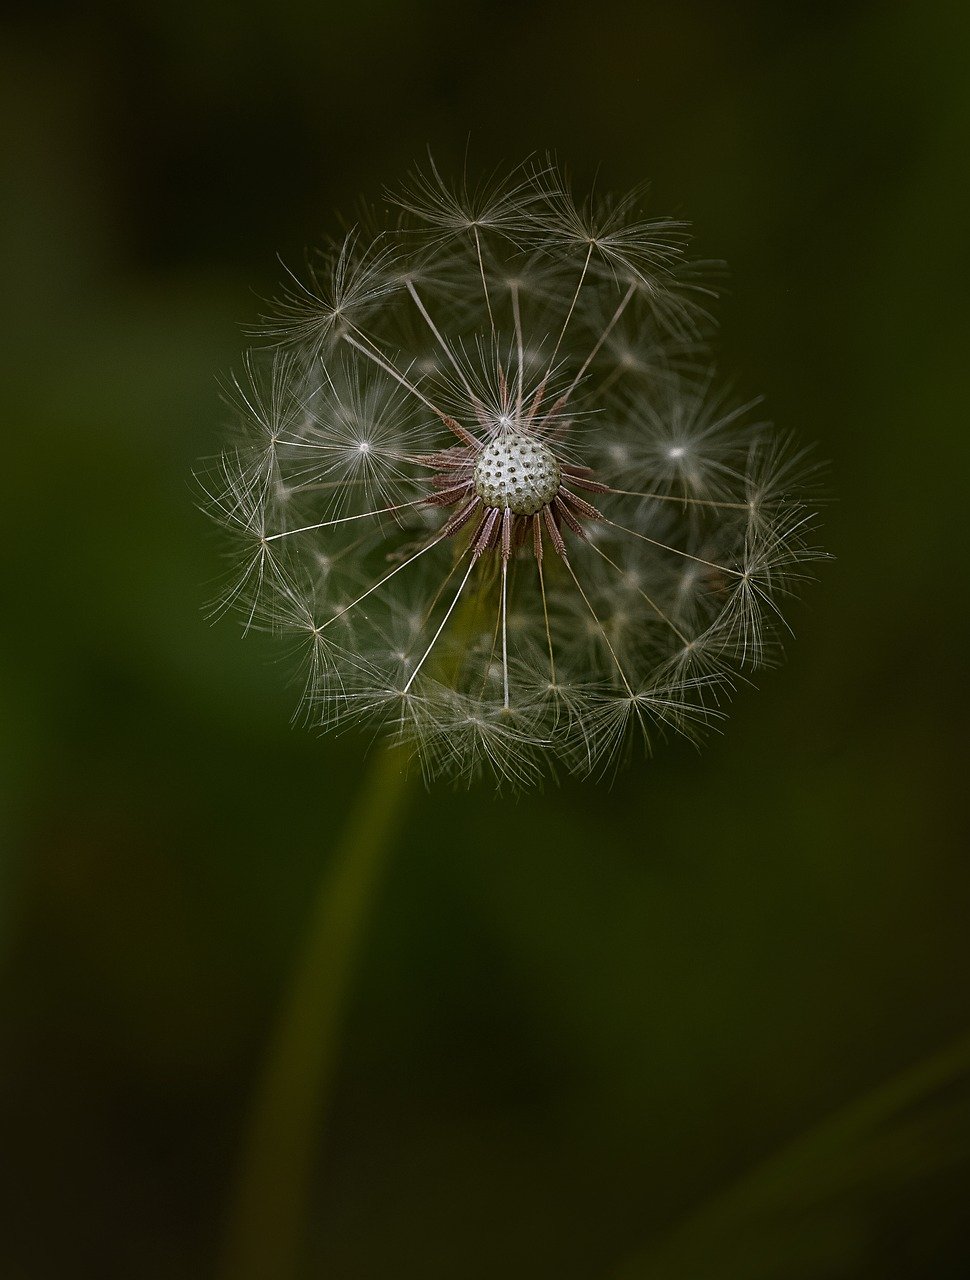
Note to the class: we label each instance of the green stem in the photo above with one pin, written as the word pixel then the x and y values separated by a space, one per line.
pixel 766 1222
pixel 268 1213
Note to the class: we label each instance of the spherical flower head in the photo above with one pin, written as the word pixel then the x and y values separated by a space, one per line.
pixel 483 473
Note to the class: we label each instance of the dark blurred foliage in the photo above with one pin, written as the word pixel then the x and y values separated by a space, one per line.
pixel 686 1027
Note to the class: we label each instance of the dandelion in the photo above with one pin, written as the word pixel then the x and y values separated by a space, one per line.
pixel 486 478
pixel 486 474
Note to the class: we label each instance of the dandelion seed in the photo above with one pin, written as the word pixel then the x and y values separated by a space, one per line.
pixel 485 476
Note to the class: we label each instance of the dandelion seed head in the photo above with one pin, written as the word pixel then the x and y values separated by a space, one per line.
pixel 484 475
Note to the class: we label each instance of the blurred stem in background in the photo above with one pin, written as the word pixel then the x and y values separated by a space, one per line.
pixel 267 1217
pixel 807 1211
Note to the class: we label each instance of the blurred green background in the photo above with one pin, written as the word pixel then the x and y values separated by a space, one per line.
pixel 708 1023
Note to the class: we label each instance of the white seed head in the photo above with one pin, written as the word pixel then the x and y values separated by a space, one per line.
pixel 518 472
pixel 483 476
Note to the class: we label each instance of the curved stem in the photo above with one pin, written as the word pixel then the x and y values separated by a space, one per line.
pixel 267 1220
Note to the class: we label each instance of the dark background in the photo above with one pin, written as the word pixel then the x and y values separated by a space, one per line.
pixel 688 1027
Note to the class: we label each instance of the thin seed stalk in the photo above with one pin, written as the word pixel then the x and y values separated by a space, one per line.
pixel 268 1215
